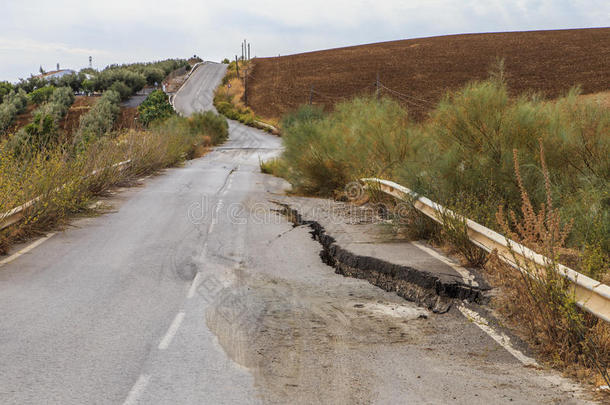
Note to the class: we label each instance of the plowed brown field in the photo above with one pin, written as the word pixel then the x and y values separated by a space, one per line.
pixel 423 69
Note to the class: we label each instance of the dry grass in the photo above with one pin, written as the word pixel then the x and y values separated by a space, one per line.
pixel 236 92
pixel 579 344
pixel 64 182
pixel 230 97
pixel 538 300
pixel 602 98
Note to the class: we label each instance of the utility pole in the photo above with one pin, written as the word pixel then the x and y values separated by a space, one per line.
pixel 246 87
pixel 310 95
pixel 237 66
pixel 377 86
pixel 248 51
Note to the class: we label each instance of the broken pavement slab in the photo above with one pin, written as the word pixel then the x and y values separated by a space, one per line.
pixel 356 242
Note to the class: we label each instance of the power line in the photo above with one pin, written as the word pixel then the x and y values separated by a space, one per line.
pixel 406 95
pixel 402 97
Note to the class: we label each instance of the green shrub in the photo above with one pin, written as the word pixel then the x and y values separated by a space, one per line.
pixel 63 96
pixel 99 120
pixel 209 124
pixel 5 88
pixel 136 75
pixel 153 75
pixel 155 107
pixel 58 104
pixel 204 128
pixel 30 84
pixel 42 132
pixel 361 138
pixel 88 86
pixel 74 81
pixel 472 134
pixel 462 156
pixel 14 103
pixel 41 95
pixel 106 78
pixel 8 112
pixel 18 98
pixel 121 88
pixel 38 136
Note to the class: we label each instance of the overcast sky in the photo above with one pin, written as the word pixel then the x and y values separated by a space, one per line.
pixel 44 32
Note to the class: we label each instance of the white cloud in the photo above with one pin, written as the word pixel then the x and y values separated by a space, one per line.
pixel 28 45
pixel 35 32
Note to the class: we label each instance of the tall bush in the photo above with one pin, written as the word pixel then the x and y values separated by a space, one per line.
pixel 18 99
pixel 42 132
pixel 14 103
pixel 41 95
pixel 204 128
pixel 121 88
pixel 36 137
pixel 99 120
pixel 5 88
pixel 155 107
pixel 8 112
pixel 360 138
pixel 462 156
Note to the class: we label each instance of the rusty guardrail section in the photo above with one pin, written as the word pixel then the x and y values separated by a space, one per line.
pixel 16 214
pixel 590 295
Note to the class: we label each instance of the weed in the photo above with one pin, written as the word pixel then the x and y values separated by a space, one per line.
pixel 454 230
pixel 272 166
pixel 545 306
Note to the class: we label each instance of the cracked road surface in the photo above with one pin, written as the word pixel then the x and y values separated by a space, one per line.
pixel 193 289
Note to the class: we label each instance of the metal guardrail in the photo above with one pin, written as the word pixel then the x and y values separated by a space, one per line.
pixel 590 295
pixel 271 127
pixel 16 214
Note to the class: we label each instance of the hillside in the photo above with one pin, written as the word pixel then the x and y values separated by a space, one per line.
pixel 549 62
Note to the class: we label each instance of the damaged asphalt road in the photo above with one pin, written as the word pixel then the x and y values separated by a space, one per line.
pixel 196 290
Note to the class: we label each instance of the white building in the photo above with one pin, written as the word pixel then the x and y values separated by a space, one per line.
pixel 56 74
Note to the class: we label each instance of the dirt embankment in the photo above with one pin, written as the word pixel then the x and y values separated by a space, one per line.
pixel 81 106
pixel 423 69
pixel 127 119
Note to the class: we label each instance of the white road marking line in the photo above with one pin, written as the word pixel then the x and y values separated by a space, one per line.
pixel 226 189
pixel 501 338
pixel 215 216
pixel 171 332
pixel 468 278
pixel 26 249
pixel 219 206
pixel 194 286
pixel 137 390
